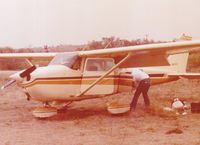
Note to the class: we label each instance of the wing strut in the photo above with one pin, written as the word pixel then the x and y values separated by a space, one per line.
pixel 29 62
pixel 104 75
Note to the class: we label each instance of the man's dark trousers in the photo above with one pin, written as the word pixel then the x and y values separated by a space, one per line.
pixel 143 88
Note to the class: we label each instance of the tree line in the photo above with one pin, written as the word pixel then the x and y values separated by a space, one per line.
pixel 105 42
pixel 112 42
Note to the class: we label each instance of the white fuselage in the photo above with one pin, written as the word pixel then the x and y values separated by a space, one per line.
pixel 61 83
pixel 57 82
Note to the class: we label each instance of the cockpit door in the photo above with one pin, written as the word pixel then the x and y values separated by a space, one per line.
pixel 95 68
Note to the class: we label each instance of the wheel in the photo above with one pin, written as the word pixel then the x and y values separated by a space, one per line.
pixel 44 112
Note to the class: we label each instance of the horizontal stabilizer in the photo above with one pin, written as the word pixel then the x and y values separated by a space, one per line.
pixel 187 75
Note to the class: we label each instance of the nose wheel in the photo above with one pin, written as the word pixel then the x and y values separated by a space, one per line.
pixel 50 109
pixel 44 112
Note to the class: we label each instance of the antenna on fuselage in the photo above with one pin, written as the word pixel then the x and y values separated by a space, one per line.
pixel 86 46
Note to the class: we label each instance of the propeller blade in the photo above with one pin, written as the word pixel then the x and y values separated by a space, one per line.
pixel 27 72
pixel 8 84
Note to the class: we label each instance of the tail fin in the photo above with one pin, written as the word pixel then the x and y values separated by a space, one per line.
pixel 178 62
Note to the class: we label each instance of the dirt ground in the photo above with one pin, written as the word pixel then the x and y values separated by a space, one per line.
pixel 88 122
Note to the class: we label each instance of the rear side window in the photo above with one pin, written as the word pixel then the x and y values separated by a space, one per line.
pixel 99 64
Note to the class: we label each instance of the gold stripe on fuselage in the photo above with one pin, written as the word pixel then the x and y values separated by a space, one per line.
pixel 114 80
pixel 67 81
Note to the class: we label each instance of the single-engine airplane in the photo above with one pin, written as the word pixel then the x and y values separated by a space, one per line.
pixel 79 75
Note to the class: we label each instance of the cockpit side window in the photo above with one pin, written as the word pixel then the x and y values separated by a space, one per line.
pixel 99 64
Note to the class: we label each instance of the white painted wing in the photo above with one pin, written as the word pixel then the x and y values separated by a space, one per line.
pixel 141 55
pixel 144 55
pixel 27 55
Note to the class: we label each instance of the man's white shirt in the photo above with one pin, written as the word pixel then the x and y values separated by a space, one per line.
pixel 139 75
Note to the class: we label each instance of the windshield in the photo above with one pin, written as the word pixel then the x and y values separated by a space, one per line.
pixel 67 59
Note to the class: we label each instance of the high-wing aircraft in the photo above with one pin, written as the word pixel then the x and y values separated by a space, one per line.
pixel 79 75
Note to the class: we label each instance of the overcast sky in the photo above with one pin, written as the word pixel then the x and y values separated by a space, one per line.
pixel 30 23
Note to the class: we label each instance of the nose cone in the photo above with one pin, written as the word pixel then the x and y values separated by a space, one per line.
pixel 16 77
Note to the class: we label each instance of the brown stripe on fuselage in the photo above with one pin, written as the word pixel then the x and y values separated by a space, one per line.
pixel 126 82
pixel 109 80
pixel 75 80
pixel 156 75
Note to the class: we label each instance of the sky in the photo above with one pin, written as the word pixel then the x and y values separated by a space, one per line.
pixel 31 23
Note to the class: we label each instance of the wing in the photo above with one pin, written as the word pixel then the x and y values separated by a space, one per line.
pixel 144 55
pixel 141 55
pixel 27 55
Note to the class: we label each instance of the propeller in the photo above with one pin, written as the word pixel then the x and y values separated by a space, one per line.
pixel 8 84
pixel 15 77
pixel 26 73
